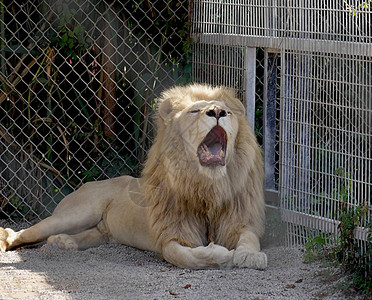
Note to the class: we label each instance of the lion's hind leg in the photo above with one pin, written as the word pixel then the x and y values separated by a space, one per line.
pixel 76 213
pixel 10 239
pixel 92 237
pixel 81 241
pixel 72 221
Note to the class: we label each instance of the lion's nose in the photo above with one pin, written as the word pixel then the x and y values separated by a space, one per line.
pixel 216 112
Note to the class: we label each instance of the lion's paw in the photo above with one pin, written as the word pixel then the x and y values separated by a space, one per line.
pixel 221 255
pixel 214 254
pixel 7 238
pixel 63 241
pixel 246 258
pixel 3 239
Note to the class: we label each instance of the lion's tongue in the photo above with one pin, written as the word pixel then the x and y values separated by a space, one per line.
pixel 212 155
pixel 212 150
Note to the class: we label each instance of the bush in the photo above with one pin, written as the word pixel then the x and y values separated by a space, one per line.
pixel 354 256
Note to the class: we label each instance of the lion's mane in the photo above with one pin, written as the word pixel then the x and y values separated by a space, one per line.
pixel 188 206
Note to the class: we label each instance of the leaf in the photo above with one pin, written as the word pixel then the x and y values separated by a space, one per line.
pixel 71 44
pixel 64 38
pixel 42 80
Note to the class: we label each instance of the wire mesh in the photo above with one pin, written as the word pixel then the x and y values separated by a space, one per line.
pixel 326 134
pixel 323 117
pixel 219 66
pixel 341 26
pixel 79 81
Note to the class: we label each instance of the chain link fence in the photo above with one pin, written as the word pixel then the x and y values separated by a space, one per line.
pixel 79 81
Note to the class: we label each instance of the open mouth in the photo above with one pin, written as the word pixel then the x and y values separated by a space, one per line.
pixel 212 150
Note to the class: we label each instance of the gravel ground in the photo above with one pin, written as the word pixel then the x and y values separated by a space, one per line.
pixel 115 271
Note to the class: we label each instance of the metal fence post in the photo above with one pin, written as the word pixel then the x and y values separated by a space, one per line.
pixel 250 83
pixel 269 115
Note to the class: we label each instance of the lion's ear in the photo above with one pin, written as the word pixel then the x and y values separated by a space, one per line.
pixel 238 107
pixel 165 108
pixel 233 102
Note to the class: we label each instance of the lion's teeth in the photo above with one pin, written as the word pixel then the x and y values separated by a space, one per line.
pixel 206 152
pixel 221 153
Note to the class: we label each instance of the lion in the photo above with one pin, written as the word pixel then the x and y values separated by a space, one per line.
pixel 199 202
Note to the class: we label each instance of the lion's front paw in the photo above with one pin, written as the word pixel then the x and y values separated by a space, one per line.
pixel 213 255
pixel 63 241
pixel 246 258
pixel 221 255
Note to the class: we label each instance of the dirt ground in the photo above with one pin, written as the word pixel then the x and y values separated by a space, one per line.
pixel 115 271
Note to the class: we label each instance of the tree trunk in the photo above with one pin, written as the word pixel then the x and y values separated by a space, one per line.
pixel 109 83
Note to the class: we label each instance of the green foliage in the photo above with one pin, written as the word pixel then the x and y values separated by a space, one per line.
pixel 187 41
pixel 17 206
pixel 72 42
pixel 355 9
pixel 347 251
pixel 72 38
pixel 315 248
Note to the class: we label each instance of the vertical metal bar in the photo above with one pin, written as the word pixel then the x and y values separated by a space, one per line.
pixel 269 113
pixel 304 86
pixel 286 131
pixel 250 84
pixel 282 147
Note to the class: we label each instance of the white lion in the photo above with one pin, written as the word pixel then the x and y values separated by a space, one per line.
pixel 199 202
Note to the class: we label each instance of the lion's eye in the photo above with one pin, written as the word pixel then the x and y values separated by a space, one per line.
pixel 194 111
